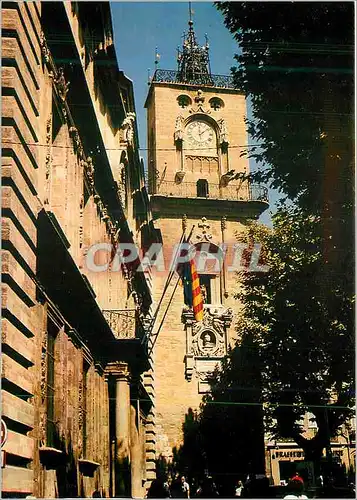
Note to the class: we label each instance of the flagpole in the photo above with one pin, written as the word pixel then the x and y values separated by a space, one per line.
pixel 164 316
pixel 168 281
pixel 171 298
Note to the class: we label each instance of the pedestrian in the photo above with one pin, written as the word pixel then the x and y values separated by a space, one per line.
pixel 239 489
pixel 207 489
pixel 166 487
pixel 158 489
pixel 185 487
pixel 297 477
pixel 296 487
pixel 180 487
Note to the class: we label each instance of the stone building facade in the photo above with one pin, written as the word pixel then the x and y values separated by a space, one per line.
pixel 199 184
pixel 76 376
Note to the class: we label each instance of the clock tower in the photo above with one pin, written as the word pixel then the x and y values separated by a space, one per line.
pixel 197 179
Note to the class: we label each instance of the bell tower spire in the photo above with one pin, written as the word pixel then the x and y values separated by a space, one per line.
pixel 193 60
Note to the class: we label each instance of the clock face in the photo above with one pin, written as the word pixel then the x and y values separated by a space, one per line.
pixel 200 134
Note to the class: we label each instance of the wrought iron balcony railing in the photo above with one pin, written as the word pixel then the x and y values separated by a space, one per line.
pixel 124 323
pixel 172 76
pixel 244 192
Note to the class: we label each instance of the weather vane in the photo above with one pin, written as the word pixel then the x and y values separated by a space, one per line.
pixel 190 11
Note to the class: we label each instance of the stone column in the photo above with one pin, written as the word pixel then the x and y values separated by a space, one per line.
pixel 120 372
pixel 136 444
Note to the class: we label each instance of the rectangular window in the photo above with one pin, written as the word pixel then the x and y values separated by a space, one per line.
pixel 52 331
pixel 202 188
pixel 210 288
pixel 206 288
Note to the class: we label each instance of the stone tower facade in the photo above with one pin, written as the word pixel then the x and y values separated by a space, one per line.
pixel 198 182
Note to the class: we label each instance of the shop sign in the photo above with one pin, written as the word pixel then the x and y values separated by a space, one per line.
pixel 289 454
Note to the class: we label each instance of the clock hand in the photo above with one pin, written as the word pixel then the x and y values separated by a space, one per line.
pixel 204 132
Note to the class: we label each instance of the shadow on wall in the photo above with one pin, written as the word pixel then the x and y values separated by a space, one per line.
pixel 122 478
pixel 66 471
pixel 224 440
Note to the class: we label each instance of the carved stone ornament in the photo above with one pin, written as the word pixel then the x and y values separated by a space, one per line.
pixel 128 128
pixel 121 185
pixel 184 223
pixel 80 414
pixel 223 133
pixel 43 385
pixel 179 129
pixel 48 159
pixel 204 226
pixel 209 336
pixel 61 85
pixel 199 100
pixel 44 48
pixel 104 215
pixel 81 209
pixel 44 369
pixel 189 366
pixel 89 170
pixel 48 146
pixel 77 144
pixel 208 342
pixel 204 376
pixel 117 369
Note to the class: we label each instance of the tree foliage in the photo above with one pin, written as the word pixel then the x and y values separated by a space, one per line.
pixel 296 65
pixel 296 325
pixel 302 331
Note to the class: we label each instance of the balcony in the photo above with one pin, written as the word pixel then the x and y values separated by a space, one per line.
pixel 203 80
pixel 124 323
pixel 243 192
pixel 131 338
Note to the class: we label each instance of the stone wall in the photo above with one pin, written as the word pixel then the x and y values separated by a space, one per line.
pixel 62 193
pixel 22 79
pixel 181 363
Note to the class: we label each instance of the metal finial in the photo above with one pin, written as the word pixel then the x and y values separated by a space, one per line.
pixel 157 57
pixel 190 11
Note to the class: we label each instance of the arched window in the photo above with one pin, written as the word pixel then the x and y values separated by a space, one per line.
pixel 202 188
pixel 216 103
pixel 184 101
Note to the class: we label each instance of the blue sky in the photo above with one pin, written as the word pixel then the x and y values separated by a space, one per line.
pixel 139 27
